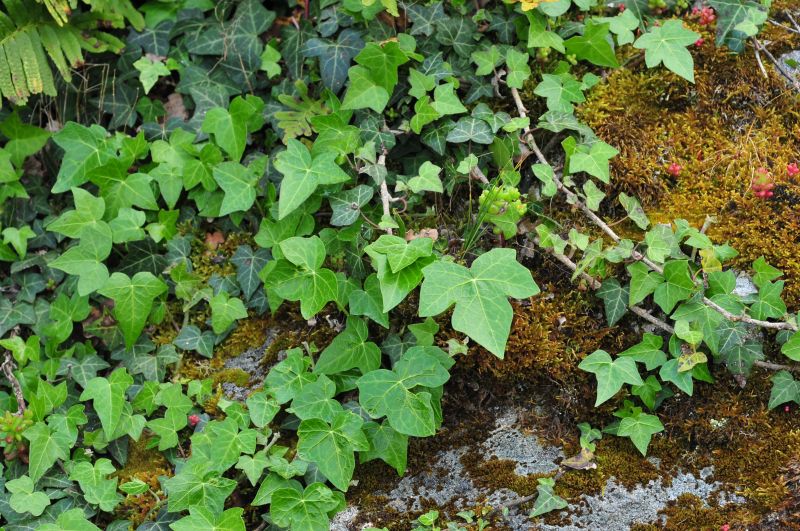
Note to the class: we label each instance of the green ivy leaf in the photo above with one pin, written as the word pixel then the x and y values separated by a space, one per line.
pixel 731 13
pixel 428 179
pixel 769 302
pixel 391 393
pixel 518 69
pixel 262 408
pixel 133 299
pixel 202 519
pixel 71 520
pixel 346 205
pixel 24 498
pixel 239 185
pixel 547 500
pixel 305 510
pixel 387 444
pixel 677 285
pixel 287 379
pixel 47 446
pixel 167 428
pixel 670 372
pixel 369 301
pixel 615 300
pixel 225 310
pixel 560 91
pixel 316 401
pixel 480 293
pixel 108 396
pixel 364 92
pixel 667 44
pixel 764 272
pixel 195 486
pixel 331 446
pixel 634 210
pixel 302 174
pixel 229 127
pixel 335 57
pixel 648 351
pixel 610 374
pixel 350 349
pixel 593 46
pixel 784 389
pixel 97 488
pixel 593 161
pixel 640 428
pixel 791 349
pixel 85 149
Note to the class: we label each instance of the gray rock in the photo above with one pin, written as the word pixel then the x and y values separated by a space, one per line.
pixel 250 362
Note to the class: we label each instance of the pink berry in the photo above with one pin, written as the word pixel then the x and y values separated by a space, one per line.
pixel 786 409
pixel 792 169
pixel 193 420
pixel 725 527
pixel 674 169
pixel 699 42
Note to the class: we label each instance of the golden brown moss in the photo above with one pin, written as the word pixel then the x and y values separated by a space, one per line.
pixel 732 121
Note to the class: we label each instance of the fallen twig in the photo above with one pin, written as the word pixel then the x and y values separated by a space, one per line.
pixel 8 367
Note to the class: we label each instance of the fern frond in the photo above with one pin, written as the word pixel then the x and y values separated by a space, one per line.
pixel 32 35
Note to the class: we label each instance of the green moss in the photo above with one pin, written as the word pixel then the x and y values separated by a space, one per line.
pixel 732 121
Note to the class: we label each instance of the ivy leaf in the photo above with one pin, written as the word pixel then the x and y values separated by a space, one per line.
pixel 316 401
pixel 85 149
pixel 387 444
pixel 648 351
pixel 400 253
pixel 471 129
pixel 480 293
pixel 518 69
pixel 593 46
pixel 791 349
pixel 539 36
pixel 167 428
pixel 740 358
pixel 108 396
pixel 648 392
pixel 97 488
pixel 262 408
pixel 594 161
pixel 390 393
pixel 194 486
pixel 667 44
pixel 287 379
pixel 610 374
pixel 784 389
pixel 769 302
pixel 763 272
pixel 253 467
pixel 677 285
pixel 730 13
pixel 71 520
pixel 331 446
pixel 24 498
pixel 369 302
pixel 640 428
pixel 225 310
pixel 547 500
pixel 350 349
pixel 302 174
pixel 382 61
pixel 239 185
pixel 47 446
pixel 248 264
pixel 487 60
pixel 634 210
pixel 335 57
pixel 561 91
pixel 229 127
pixel 615 299
pixel 364 92
pixel 669 372
pixel 643 282
pixel 150 71
pixel 202 519
pixel 133 299
pixel 428 179
pixel 303 510
pixel 346 205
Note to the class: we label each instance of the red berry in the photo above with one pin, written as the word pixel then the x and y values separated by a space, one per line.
pixel 725 527
pixel 786 408
pixel 769 193
pixel 699 42
pixel 193 420
pixel 621 8
pixel 674 169
pixel 792 169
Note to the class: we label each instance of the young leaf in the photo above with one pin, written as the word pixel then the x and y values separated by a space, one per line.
pixel 480 293
pixel 108 396
pixel 225 310
pixel 302 173
pixel 640 428
pixel 593 46
pixel 331 446
pixel 202 519
pixel 677 285
pixel 24 498
pixel 610 374
pixel 667 44
pixel 547 500
pixel 97 488
pixel 133 298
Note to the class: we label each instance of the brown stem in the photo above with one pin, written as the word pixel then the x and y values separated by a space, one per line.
pixel 8 367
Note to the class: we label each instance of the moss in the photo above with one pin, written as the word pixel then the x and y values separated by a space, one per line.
pixel 732 121
pixel 235 376
pixel 145 464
